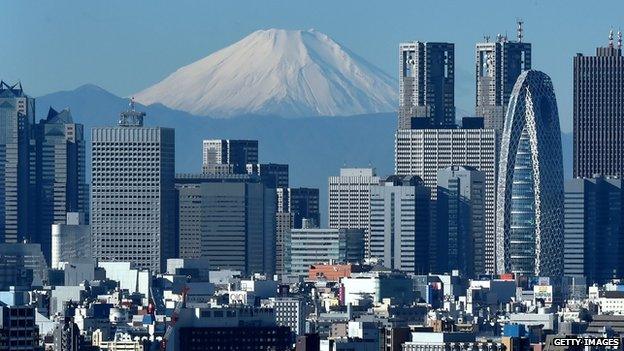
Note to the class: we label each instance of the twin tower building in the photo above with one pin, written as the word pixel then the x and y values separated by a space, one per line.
pixel 515 142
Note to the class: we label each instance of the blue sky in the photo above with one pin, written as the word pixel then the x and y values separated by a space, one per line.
pixel 125 46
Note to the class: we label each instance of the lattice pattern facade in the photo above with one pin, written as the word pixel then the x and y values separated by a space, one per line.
pixel 529 209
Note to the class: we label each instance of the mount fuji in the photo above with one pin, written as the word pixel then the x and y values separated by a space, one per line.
pixel 288 73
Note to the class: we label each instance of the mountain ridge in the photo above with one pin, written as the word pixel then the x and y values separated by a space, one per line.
pixel 290 73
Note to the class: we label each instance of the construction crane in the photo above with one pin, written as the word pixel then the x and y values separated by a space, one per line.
pixel 174 318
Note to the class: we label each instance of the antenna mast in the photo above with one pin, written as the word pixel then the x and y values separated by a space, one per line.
pixel 520 29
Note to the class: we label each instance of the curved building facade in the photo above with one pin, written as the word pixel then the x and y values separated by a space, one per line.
pixel 529 204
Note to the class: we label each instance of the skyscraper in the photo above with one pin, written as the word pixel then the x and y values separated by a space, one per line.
pixel 593 229
pixel 17 117
pixel 529 209
pixel 461 219
pixel 426 85
pixel 59 174
pixel 349 198
pixel 423 152
pixel 293 206
pixel 498 65
pixel 237 153
pixel 133 195
pixel 399 224
pixel 598 111
pixel 228 219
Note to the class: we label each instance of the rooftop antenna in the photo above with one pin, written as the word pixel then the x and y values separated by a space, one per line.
pixel 130 117
pixel 611 38
pixel 520 30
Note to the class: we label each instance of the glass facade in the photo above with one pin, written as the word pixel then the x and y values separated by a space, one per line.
pixel 529 204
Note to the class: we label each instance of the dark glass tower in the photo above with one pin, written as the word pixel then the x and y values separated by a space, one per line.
pixel 599 112
pixel 427 85
pixel 17 116
pixel 59 174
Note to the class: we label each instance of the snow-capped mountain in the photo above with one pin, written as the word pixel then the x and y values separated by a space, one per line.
pixel 290 73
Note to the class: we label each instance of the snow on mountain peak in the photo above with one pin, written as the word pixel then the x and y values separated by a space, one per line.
pixel 290 73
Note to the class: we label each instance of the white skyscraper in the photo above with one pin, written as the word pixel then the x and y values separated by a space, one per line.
pixel 423 152
pixel 133 194
pixel 349 198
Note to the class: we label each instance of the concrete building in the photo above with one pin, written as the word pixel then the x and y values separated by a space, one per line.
pixel 311 245
pixel 461 220
pixel 426 85
pixel 529 209
pixel 222 327
pixel 59 174
pixel 237 153
pixel 593 229
pixel 17 118
pixel 498 65
pixel 349 198
pixel 228 219
pixel 289 312
pixel 133 194
pixel 374 286
pixel 399 224
pixel 273 175
pixel 18 330
pixel 424 152
pixel 598 112
pixel 71 242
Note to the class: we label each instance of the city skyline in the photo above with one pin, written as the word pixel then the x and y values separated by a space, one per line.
pixel 229 205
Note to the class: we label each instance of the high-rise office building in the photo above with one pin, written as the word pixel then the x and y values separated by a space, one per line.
pixel 593 229
pixel 349 198
pixel 133 194
pixel 598 112
pixel 301 202
pixel 426 85
pixel 498 65
pixel 424 152
pixel 293 206
pixel 529 208
pixel 460 219
pixel 59 174
pixel 311 245
pixel 399 224
pixel 273 175
pixel 228 219
pixel 17 117
pixel 236 153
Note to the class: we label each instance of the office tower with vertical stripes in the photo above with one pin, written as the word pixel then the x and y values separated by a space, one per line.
pixel 59 174
pixel 349 198
pixel 17 118
pixel 399 224
pixel 498 65
pixel 598 112
pixel 426 85
pixel 460 219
